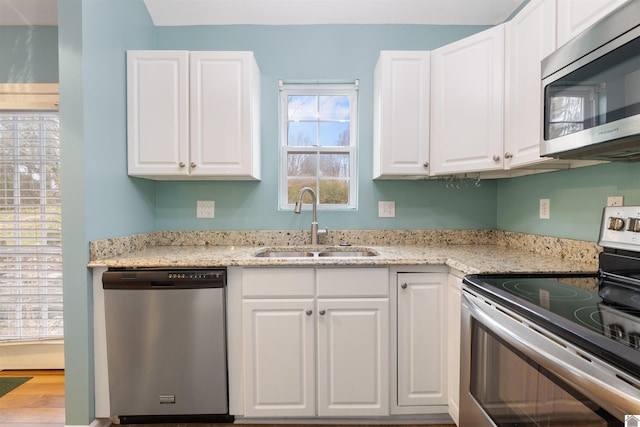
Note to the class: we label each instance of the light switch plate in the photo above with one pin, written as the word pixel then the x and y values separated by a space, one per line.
pixel 205 209
pixel 386 209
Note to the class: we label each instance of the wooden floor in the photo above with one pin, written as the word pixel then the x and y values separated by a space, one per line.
pixel 40 403
pixel 37 403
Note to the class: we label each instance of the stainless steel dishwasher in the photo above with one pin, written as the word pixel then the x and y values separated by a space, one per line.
pixel 166 345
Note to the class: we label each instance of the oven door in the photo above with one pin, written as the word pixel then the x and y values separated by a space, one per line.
pixel 515 375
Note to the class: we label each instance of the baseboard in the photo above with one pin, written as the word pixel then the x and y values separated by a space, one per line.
pixel 32 355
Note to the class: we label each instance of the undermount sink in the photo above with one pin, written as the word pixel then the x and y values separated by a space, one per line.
pixel 297 253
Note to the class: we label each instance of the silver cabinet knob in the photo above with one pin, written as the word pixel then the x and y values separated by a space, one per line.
pixel 425 164
pixel 322 312
pixel 496 158
pixel 508 155
pixel 403 286
pixel 181 164
pixel 309 312
pixel 193 165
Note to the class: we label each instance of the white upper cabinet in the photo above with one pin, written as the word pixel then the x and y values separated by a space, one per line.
pixel 193 115
pixel 529 37
pixel 467 90
pixel 575 16
pixel 401 114
pixel 158 112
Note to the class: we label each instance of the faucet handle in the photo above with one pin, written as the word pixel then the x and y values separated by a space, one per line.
pixel 323 231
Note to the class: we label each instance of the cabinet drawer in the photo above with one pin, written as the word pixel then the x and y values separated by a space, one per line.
pixel 353 282
pixel 278 282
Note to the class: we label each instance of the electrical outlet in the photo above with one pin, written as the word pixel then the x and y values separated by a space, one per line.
pixel 205 209
pixel 386 209
pixel 545 209
pixel 615 200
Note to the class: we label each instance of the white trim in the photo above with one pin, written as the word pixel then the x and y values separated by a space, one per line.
pixel 29 96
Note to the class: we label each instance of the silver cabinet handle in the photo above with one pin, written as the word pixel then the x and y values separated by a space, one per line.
pixel 309 312
pixel 403 286
pixel 496 158
pixel 508 155
pixel 193 165
pixel 322 312
pixel 425 164
pixel 181 164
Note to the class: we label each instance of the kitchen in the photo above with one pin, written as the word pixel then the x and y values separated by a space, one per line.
pixel 102 202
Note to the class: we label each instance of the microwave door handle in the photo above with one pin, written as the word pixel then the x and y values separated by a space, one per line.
pixel 588 378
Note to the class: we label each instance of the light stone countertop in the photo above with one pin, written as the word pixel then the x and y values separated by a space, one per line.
pixel 469 259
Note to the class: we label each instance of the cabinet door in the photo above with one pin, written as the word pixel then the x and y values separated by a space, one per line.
pixel 422 353
pixel 279 368
pixel 575 16
pixel 157 113
pixel 225 128
pixel 401 114
pixel 454 301
pixel 467 87
pixel 353 357
pixel 530 36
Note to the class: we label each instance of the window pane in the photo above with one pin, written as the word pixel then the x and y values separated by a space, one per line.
pixel 334 134
pixel 302 134
pixel 334 165
pixel 334 108
pixel 334 192
pixel 303 107
pixel 295 185
pixel 301 164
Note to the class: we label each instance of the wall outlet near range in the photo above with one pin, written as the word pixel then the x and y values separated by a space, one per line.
pixel 545 209
pixel 386 209
pixel 205 209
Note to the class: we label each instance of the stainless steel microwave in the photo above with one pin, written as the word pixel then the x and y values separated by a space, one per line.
pixel 591 91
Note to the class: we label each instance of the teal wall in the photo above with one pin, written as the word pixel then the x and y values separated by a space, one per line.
pixel 99 200
pixel 576 196
pixel 28 54
pixel 334 52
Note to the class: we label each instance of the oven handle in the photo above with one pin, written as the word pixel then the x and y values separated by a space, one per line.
pixel 621 399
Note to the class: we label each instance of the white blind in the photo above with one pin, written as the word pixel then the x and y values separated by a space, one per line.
pixel 30 226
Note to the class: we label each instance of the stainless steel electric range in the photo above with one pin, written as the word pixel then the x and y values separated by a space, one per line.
pixel 556 349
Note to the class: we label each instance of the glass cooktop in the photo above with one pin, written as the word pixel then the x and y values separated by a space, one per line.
pixel 569 306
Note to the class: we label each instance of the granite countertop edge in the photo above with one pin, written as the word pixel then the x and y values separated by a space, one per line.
pixel 468 259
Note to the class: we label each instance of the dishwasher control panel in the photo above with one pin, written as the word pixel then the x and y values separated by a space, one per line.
pixel 164 278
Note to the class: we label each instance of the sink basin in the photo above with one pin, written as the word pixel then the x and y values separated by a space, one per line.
pixel 347 254
pixel 286 254
pixel 325 253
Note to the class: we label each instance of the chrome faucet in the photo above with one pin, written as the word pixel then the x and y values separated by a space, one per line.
pixel 314 220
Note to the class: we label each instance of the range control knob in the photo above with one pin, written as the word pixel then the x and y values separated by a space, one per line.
pixel 616 224
pixel 634 225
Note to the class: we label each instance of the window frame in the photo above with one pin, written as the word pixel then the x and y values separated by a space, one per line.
pixel 37 239
pixel 318 89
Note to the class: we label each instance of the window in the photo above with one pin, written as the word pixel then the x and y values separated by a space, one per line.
pixel 30 224
pixel 318 140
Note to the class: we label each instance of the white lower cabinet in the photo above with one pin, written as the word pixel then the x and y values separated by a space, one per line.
pixel 279 361
pixel 422 350
pixel 454 300
pixel 300 324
